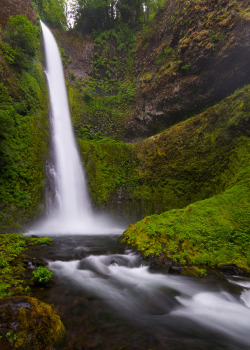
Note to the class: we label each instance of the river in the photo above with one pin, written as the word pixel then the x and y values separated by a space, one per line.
pixel 109 298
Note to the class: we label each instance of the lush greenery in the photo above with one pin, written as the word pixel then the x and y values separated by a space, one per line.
pixel 42 275
pixel 23 124
pixel 13 264
pixel 204 234
pixel 191 161
pixel 107 98
pixel 52 12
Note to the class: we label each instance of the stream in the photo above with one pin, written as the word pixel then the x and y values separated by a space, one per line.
pixel 109 298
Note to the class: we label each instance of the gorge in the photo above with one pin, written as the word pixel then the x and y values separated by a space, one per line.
pixel 160 110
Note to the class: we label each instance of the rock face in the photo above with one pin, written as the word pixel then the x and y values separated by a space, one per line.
pixel 79 52
pixel 26 323
pixel 16 7
pixel 188 62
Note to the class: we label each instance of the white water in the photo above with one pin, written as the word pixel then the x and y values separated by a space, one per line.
pixel 72 211
pixel 164 301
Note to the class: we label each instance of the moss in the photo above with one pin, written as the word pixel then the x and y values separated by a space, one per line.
pixel 205 233
pixel 14 279
pixel 106 98
pixel 191 161
pixel 193 271
pixel 30 324
pixel 24 140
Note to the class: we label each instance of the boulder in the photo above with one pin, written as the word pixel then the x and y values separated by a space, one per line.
pixel 27 323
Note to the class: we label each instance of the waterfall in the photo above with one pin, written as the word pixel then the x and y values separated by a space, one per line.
pixel 71 212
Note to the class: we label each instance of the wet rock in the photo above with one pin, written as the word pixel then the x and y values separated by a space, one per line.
pixel 176 270
pixel 27 323
pixel 161 262
pixel 232 269
pixel 35 262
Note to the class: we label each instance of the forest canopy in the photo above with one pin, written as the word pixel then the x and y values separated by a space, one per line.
pixel 96 15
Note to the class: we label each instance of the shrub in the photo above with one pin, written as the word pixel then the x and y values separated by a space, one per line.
pixel 22 35
pixel 42 275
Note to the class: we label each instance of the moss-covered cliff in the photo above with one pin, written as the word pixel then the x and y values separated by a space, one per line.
pixel 209 233
pixel 24 136
pixel 194 54
pixel 191 161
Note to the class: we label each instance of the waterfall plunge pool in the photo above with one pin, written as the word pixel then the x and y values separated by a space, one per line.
pixel 108 298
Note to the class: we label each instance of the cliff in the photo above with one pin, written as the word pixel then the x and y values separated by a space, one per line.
pixel 16 7
pixel 194 54
pixel 24 134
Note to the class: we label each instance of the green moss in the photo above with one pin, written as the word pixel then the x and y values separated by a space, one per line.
pixel 206 233
pixel 111 172
pixel 193 271
pixel 191 161
pixel 107 98
pixel 30 324
pixel 24 136
pixel 13 263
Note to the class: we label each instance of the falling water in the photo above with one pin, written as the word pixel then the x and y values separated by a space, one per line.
pixel 72 211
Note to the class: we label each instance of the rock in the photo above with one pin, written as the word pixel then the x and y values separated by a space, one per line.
pixel 193 271
pixel 187 63
pixel 232 269
pixel 14 8
pixel 27 323
pixel 176 270
pixel 161 262
pixel 79 51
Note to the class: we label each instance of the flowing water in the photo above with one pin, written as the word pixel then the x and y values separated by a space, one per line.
pixel 71 210
pixel 108 297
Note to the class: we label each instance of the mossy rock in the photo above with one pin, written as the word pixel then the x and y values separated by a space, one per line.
pixel 193 271
pixel 27 324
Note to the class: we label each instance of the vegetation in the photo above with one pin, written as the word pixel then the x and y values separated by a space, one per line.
pixel 42 275
pixel 103 101
pixel 204 234
pixel 28 323
pixel 14 279
pixel 52 12
pixel 23 124
pixel 96 15
pixel 189 162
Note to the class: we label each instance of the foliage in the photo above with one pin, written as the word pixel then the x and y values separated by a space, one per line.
pixel 42 275
pixel 111 170
pixel 13 263
pixel 100 15
pixel 108 96
pixel 23 126
pixel 206 233
pixel 23 36
pixel 189 162
pixel 52 12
